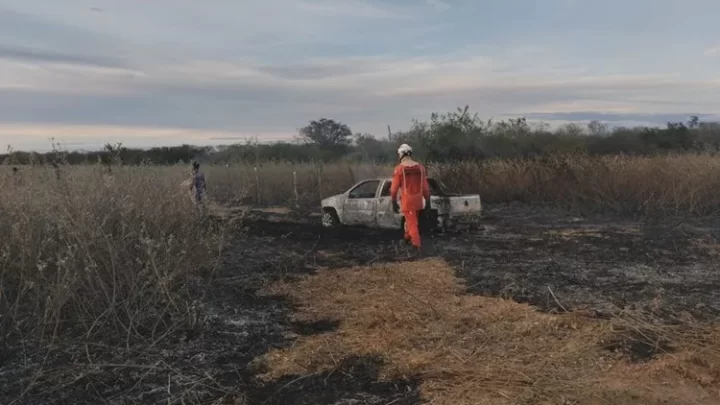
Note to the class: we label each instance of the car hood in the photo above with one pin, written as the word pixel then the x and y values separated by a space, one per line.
pixel 333 201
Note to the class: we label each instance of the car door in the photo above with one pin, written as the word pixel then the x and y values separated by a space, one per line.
pixel 386 218
pixel 361 204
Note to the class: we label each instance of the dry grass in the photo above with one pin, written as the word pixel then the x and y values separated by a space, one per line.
pixel 643 186
pixel 80 247
pixel 646 186
pixel 478 350
pixel 273 183
pixel 98 255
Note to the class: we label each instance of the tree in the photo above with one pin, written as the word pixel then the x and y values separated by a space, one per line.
pixel 513 127
pixel 370 149
pixel 570 130
pixel 455 135
pixel 597 128
pixel 327 134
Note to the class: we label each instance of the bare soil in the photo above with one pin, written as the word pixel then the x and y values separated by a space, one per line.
pixel 549 259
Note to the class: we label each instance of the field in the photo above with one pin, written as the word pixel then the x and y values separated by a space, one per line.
pixel 591 281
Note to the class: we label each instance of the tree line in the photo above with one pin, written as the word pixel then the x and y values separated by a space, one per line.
pixel 456 135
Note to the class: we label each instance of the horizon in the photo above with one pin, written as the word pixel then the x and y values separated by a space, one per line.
pixel 177 72
pixel 293 139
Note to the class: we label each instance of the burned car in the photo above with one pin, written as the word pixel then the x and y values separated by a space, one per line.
pixel 368 204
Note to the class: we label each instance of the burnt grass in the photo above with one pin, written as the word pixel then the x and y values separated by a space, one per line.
pixel 545 257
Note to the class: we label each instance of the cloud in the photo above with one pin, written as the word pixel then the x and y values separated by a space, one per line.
pixel 185 70
pixel 365 92
pixel 349 8
pixel 712 51
pixel 438 4
pixel 25 33
pixel 219 29
pixel 64 76
pixel 584 116
pixel 226 94
pixel 39 55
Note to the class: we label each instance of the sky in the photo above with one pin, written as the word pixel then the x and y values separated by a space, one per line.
pixel 165 72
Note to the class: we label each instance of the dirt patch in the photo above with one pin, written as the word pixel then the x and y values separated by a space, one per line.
pixel 480 350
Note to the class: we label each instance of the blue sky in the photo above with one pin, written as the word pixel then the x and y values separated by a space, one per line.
pixel 162 72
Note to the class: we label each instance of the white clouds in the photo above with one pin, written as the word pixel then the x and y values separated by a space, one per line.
pixel 712 51
pixel 177 68
pixel 222 25
pixel 353 79
pixel 348 84
pixel 65 77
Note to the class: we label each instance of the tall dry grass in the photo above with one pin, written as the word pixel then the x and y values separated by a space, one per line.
pixel 657 186
pixel 97 254
pixel 275 184
pixel 641 186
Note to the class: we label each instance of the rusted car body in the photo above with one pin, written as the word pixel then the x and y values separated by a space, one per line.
pixel 368 204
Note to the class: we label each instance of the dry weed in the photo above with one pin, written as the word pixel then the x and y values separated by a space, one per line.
pixel 642 186
pixel 99 254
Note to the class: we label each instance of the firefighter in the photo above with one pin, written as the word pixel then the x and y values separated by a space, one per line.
pixel 410 180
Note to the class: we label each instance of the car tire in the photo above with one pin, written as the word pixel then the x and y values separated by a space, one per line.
pixel 330 219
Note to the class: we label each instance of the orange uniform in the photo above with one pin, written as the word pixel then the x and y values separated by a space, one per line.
pixel 410 179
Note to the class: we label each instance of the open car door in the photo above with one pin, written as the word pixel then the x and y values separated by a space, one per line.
pixel 361 204
pixel 386 218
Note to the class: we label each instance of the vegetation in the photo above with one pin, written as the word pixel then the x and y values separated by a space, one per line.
pixel 102 246
pixel 456 135
pixel 641 186
pixel 92 256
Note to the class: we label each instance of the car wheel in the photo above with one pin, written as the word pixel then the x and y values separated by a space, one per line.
pixel 330 219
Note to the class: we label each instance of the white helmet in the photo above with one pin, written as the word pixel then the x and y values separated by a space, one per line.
pixel 404 149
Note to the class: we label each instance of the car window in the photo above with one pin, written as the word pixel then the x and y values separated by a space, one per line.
pixel 365 190
pixel 386 189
